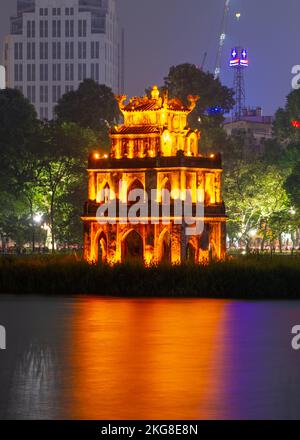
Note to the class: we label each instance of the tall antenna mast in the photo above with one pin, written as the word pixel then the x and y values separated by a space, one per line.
pixel 239 62
pixel 222 39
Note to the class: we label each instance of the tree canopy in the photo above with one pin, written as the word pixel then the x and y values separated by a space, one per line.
pixel 215 101
pixel 92 106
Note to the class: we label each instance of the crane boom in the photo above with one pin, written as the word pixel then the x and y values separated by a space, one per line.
pixel 222 39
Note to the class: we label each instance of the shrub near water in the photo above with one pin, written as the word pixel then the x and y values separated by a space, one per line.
pixel 248 278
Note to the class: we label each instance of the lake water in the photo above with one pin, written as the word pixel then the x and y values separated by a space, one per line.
pixel 95 358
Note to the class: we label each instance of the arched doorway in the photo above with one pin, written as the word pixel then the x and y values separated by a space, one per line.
pixel 102 248
pixel 132 247
pixel 166 191
pixel 136 184
pixel 190 253
pixel 165 247
pixel 103 195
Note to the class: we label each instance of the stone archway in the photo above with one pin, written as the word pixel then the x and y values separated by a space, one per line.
pixel 135 184
pixel 164 247
pixel 166 190
pixel 104 193
pixel 132 247
pixel 102 248
pixel 190 253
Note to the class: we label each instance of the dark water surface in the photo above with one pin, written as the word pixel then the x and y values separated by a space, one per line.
pixel 95 358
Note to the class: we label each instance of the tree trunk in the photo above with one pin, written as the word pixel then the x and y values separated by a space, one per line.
pixel 52 224
pixel 280 242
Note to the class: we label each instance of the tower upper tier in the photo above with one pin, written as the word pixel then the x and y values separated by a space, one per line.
pixel 154 126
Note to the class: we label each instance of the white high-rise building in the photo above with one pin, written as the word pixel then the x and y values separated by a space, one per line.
pixel 54 45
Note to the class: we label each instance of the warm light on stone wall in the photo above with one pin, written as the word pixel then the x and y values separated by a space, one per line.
pixel 154 149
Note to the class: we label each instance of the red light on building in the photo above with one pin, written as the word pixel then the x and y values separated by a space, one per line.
pixel 296 123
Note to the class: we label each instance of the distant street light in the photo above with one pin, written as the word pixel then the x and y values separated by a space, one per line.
pixel 37 218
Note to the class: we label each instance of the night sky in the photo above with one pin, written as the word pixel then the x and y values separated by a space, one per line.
pixel 161 33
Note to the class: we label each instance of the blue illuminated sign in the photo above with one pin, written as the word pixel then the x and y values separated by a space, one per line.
pixel 239 57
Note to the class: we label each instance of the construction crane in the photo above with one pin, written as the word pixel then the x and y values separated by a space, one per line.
pixel 203 61
pixel 222 39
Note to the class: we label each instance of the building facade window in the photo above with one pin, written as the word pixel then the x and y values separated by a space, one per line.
pixel 43 51
pixel 95 71
pixel 82 50
pixel 44 94
pixel 44 112
pixel 95 49
pixel 30 72
pixel 56 93
pixel 30 51
pixel 18 51
pixel 56 12
pixel 30 29
pixel 81 71
pixel 69 11
pixel 69 72
pixel 31 93
pixel 43 72
pixel 56 28
pixel 69 50
pixel 18 72
pixel 69 28
pixel 56 50
pixel 56 72
pixel 82 28
pixel 43 29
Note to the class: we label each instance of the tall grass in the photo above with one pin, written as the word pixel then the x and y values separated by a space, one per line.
pixel 244 278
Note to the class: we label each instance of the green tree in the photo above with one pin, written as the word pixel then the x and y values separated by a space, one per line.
pixel 63 154
pixel 284 131
pixel 187 79
pixel 256 200
pixel 18 120
pixel 19 128
pixel 292 185
pixel 92 106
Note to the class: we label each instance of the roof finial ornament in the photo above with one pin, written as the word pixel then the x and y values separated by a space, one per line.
pixel 121 100
pixel 193 101
pixel 155 93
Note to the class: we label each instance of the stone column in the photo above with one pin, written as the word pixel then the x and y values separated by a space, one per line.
pixel 176 244
pixel 92 186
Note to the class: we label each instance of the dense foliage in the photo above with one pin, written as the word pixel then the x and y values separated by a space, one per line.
pixel 261 277
pixel 42 175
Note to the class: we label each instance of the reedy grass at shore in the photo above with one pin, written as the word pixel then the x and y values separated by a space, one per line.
pixel 256 277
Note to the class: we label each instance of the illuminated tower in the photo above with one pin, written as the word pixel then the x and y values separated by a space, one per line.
pixel 239 62
pixel 154 150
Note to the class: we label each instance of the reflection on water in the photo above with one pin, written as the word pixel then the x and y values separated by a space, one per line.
pixel 94 358
pixel 156 358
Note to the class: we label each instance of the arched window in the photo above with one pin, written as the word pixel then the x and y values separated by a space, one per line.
pixel 190 253
pixel 166 189
pixel 165 247
pixel 124 150
pixel 102 248
pixel 106 193
pixel 132 247
pixel 136 184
